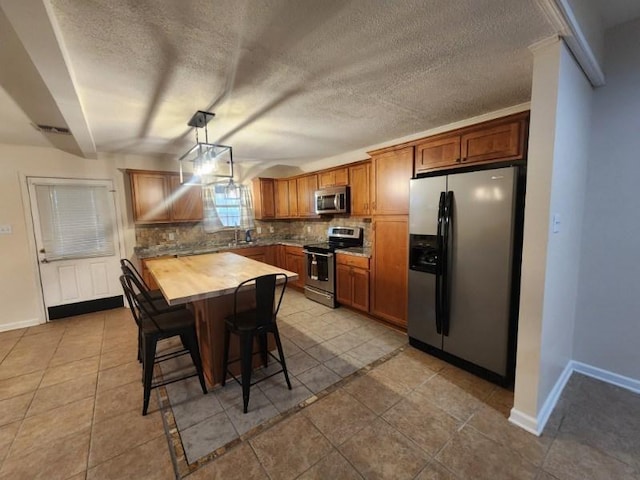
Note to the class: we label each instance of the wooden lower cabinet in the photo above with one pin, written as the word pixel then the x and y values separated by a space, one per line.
pixel 352 281
pixel 390 266
pixel 254 253
pixel 294 262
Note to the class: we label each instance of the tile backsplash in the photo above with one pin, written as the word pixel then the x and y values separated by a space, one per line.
pixel 180 235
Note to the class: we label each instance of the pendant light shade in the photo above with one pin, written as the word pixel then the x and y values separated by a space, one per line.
pixel 209 161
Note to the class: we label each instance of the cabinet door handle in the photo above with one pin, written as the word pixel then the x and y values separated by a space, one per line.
pixel 458 160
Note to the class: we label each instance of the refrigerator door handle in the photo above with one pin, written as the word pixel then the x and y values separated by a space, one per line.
pixel 441 205
pixel 446 271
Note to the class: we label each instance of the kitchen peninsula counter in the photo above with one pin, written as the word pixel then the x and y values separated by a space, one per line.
pixel 207 283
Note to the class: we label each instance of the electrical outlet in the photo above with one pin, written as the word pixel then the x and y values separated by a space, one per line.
pixel 6 229
pixel 172 236
pixel 308 229
pixel 258 230
pixel 270 229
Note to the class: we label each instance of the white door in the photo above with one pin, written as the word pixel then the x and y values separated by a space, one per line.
pixel 76 236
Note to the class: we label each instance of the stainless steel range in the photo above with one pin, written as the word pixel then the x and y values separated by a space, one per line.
pixel 320 263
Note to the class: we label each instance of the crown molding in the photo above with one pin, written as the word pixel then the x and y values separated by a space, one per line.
pixel 562 18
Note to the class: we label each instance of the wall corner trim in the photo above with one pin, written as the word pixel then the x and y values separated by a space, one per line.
pixel 4 327
pixel 536 425
pixel 524 421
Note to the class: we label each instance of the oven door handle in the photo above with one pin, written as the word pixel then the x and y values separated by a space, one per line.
pixel 318 254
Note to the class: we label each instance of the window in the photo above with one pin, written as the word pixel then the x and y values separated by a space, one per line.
pixel 226 207
pixel 75 221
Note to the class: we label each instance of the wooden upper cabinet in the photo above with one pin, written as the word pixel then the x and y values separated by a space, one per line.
pixel 264 198
pixel 502 142
pixel 332 178
pixel 158 197
pixel 306 187
pixel 150 196
pixel 497 140
pixel 390 175
pixel 359 179
pixel 282 198
pixel 293 197
pixel 437 153
pixel 186 201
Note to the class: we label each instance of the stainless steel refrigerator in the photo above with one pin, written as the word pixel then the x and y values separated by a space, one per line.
pixel 465 245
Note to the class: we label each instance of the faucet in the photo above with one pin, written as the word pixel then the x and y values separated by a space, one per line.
pixel 235 233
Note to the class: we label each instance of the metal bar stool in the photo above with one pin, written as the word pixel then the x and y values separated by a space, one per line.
pixel 155 325
pixel 252 324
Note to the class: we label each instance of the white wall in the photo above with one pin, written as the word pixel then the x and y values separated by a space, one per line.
pixel 556 177
pixel 19 287
pixel 571 150
pixel 608 326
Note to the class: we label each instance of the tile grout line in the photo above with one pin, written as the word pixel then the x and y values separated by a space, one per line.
pixel 95 398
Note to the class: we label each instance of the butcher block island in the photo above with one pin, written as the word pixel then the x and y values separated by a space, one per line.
pixel 207 283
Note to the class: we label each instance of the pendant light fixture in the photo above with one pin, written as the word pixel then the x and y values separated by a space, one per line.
pixel 210 161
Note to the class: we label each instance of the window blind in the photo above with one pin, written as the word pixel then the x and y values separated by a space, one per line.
pixel 75 221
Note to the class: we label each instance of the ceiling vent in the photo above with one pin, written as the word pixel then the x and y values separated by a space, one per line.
pixel 52 130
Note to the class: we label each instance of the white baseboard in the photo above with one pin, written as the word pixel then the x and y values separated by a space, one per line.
pixel 524 421
pixel 627 383
pixel 536 425
pixel 22 324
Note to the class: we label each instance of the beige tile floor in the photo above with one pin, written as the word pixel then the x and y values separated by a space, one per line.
pixel 70 398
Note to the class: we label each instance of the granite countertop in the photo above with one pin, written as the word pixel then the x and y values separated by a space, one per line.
pixel 356 251
pixel 182 251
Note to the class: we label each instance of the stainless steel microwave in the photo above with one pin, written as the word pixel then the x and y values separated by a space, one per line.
pixel 332 200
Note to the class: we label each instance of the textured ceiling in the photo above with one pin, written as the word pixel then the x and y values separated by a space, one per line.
pixel 297 80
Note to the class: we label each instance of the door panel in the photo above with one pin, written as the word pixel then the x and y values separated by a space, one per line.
pixel 422 308
pixel 74 278
pixel 484 204
pixel 68 281
pixel 99 279
pixel 424 198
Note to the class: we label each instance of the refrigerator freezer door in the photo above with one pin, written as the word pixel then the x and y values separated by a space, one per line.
pixel 424 195
pixel 422 308
pixel 480 270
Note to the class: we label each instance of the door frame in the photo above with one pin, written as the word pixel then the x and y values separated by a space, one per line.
pixel 31 235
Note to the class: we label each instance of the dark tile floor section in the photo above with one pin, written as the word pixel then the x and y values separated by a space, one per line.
pixel 322 346
pixel 70 399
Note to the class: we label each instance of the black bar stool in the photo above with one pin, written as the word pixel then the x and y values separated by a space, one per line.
pixel 155 325
pixel 128 267
pixel 252 324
